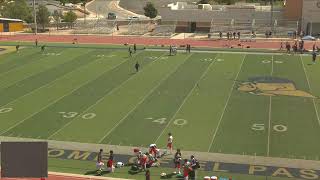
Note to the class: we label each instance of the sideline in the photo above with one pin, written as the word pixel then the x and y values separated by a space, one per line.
pixel 205 156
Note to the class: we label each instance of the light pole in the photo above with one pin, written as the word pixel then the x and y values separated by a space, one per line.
pixel 271 19
pixel 35 17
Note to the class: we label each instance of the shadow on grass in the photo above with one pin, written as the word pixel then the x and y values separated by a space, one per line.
pixel 96 173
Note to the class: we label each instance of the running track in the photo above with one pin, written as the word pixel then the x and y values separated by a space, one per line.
pixel 96 39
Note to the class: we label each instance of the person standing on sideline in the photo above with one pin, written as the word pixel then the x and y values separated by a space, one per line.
pixel 177 161
pixel 100 164
pixel 147 174
pixel 36 42
pixel 220 35
pixel 194 166
pixel 170 50
pixel 137 66
pixel 186 169
pixel 17 48
pixel 110 162
pixel 170 141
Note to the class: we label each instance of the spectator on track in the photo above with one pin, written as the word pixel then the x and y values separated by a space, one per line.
pixel 220 35
pixel 234 35
pixel 288 47
pixel 238 35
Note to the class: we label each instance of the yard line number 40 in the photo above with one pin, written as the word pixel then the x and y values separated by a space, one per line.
pixel 261 127
pixel 178 122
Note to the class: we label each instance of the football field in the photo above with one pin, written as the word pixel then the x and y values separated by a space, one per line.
pixel 234 103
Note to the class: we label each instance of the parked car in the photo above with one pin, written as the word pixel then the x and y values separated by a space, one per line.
pixel 308 38
pixel 112 16
pixel 133 18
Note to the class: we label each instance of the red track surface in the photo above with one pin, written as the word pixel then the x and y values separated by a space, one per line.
pixel 95 39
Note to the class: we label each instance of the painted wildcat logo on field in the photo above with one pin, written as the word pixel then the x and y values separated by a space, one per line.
pixel 272 86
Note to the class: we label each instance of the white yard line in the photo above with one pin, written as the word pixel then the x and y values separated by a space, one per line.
pixel 101 99
pixel 48 84
pixel 227 102
pixel 51 103
pixel 314 103
pixel 140 102
pixel 186 98
pixel 270 110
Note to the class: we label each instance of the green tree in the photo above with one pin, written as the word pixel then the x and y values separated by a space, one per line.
pixel 70 17
pixel 57 16
pixel 150 11
pixel 43 16
pixel 17 10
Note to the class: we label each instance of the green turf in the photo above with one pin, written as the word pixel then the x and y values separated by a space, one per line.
pixel 242 111
pixel 205 105
pixel 162 103
pixel 94 95
pixel 37 66
pixel 133 92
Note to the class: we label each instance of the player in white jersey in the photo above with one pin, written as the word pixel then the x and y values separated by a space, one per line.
pixel 170 141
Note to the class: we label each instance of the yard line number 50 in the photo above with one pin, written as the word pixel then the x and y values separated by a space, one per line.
pixel 261 127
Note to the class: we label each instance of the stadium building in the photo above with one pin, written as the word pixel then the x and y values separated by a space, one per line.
pixel 307 12
pixel 201 18
pixel 10 25
pixel 296 15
